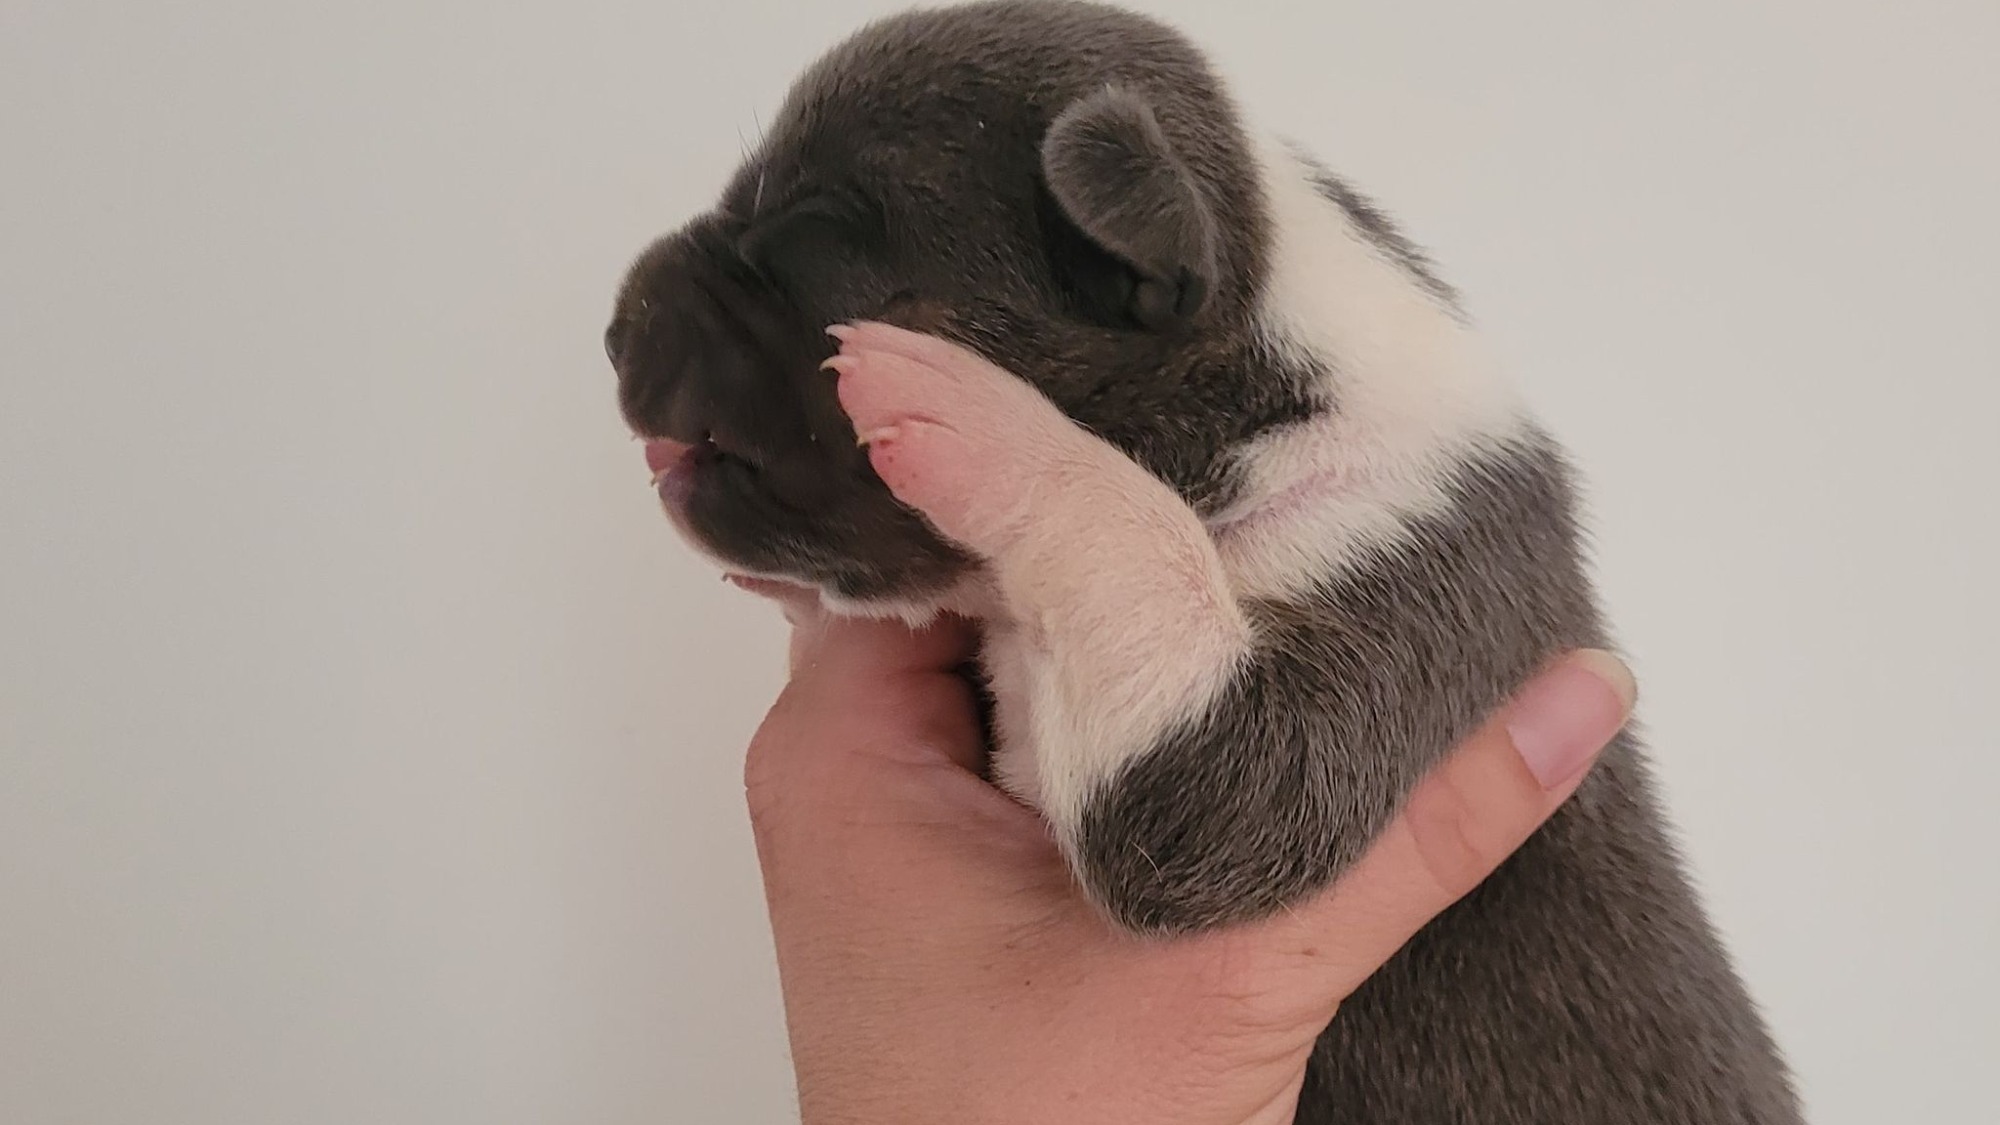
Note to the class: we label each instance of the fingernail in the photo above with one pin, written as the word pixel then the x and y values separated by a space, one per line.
pixel 1569 713
pixel 839 364
pixel 840 331
pixel 880 433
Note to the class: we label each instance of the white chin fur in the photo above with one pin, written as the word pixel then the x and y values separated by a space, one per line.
pixel 970 597
pixel 915 614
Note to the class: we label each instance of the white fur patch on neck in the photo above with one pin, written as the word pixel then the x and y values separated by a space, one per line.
pixel 1411 397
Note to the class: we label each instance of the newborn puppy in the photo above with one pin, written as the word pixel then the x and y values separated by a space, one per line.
pixel 1255 533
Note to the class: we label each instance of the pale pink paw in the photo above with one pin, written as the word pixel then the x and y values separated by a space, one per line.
pixel 952 435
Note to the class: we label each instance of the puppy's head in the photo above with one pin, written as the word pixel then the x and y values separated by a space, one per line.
pixel 1061 187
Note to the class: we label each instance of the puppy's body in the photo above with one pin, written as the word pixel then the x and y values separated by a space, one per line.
pixel 1257 535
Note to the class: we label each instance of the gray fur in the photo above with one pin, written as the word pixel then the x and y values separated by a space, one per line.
pixel 1371 221
pixel 1117 177
pixel 1580 984
pixel 1351 696
pixel 1064 188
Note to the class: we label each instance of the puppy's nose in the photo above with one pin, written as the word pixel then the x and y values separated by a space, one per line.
pixel 615 336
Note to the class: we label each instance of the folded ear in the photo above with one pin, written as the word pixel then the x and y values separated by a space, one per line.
pixel 1115 175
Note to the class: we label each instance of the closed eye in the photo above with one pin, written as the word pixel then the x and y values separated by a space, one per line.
pixel 799 243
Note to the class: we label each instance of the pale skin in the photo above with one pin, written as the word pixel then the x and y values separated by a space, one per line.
pixel 937 960
pixel 938 964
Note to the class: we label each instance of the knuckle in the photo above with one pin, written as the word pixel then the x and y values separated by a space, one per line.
pixel 1458 849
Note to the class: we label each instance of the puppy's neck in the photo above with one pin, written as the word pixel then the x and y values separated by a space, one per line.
pixel 1409 397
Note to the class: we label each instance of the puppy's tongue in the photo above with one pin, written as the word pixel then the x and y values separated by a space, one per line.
pixel 663 455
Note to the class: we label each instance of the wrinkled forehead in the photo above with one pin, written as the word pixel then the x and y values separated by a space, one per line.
pixel 937 144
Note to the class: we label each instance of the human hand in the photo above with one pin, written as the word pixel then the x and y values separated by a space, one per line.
pixel 938 964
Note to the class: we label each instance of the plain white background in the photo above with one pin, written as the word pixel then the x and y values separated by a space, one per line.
pixel 369 751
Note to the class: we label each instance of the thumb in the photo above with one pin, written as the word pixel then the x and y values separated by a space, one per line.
pixel 1469 815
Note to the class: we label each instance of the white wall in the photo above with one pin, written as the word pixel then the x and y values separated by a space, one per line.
pixel 369 750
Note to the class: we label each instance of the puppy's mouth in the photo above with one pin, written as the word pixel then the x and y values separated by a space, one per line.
pixel 674 465
pixel 818 526
pixel 752 459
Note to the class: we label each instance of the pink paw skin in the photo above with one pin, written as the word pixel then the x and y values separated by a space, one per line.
pixel 1114 610
pixel 998 468
pixel 967 444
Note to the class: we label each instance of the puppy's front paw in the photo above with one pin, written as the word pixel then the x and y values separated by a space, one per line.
pixel 960 440
pixel 1116 628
